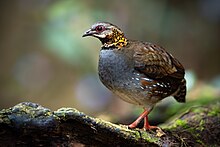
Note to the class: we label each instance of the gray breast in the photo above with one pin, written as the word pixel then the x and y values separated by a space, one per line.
pixel 114 70
pixel 117 73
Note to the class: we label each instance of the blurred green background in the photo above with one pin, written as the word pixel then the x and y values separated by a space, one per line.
pixel 45 60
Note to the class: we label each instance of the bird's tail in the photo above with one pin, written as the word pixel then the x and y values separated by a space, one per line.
pixel 180 95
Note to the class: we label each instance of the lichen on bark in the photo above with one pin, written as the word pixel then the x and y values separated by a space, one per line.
pixel 31 124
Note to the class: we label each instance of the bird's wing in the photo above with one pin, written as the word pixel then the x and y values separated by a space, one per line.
pixel 154 61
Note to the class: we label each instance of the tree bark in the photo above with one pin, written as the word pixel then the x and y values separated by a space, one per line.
pixel 29 124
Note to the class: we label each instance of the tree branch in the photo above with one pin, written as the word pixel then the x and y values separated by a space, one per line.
pixel 33 125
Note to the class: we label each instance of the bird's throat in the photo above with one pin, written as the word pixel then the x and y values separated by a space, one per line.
pixel 116 39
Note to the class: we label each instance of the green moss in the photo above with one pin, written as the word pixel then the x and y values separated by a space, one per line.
pixel 136 134
pixel 195 131
pixel 194 128
pixel 147 136
pixel 197 109
pixel 200 142
pixel 201 125
pixel 3 117
pixel 180 123
pixel 215 111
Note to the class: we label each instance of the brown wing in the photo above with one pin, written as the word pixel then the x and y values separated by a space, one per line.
pixel 155 62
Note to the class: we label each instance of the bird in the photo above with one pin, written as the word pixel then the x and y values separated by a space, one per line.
pixel 140 73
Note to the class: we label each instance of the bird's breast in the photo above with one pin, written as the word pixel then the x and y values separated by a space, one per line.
pixel 114 68
pixel 116 71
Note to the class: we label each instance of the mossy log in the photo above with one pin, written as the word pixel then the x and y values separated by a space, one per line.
pixel 29 124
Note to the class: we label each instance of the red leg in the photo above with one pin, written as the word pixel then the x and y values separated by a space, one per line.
pixel 137 121
pixel 147 126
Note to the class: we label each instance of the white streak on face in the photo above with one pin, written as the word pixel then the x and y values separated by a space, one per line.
pixel 100 35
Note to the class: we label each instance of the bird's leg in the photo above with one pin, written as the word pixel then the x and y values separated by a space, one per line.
pixel 137 121
pixel 147 126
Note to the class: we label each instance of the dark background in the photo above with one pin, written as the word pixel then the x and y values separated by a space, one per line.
pixel 45 60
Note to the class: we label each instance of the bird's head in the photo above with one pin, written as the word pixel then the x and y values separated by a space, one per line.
pixel 109 34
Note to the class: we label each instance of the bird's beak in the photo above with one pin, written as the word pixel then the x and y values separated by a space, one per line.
pixel 89 32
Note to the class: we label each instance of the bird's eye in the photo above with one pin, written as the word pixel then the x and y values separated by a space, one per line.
pixel 100 28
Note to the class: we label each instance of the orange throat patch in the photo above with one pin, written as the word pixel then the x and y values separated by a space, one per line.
pixel 116 39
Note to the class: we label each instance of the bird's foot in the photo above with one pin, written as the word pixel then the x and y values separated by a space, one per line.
pixel 148 127
pixel 159 131
pixel 132 126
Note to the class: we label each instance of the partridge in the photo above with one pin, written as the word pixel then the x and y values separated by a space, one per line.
pixel 140 73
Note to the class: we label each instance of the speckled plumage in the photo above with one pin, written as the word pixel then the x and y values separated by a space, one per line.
pixel 117 73
pixel 140 73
